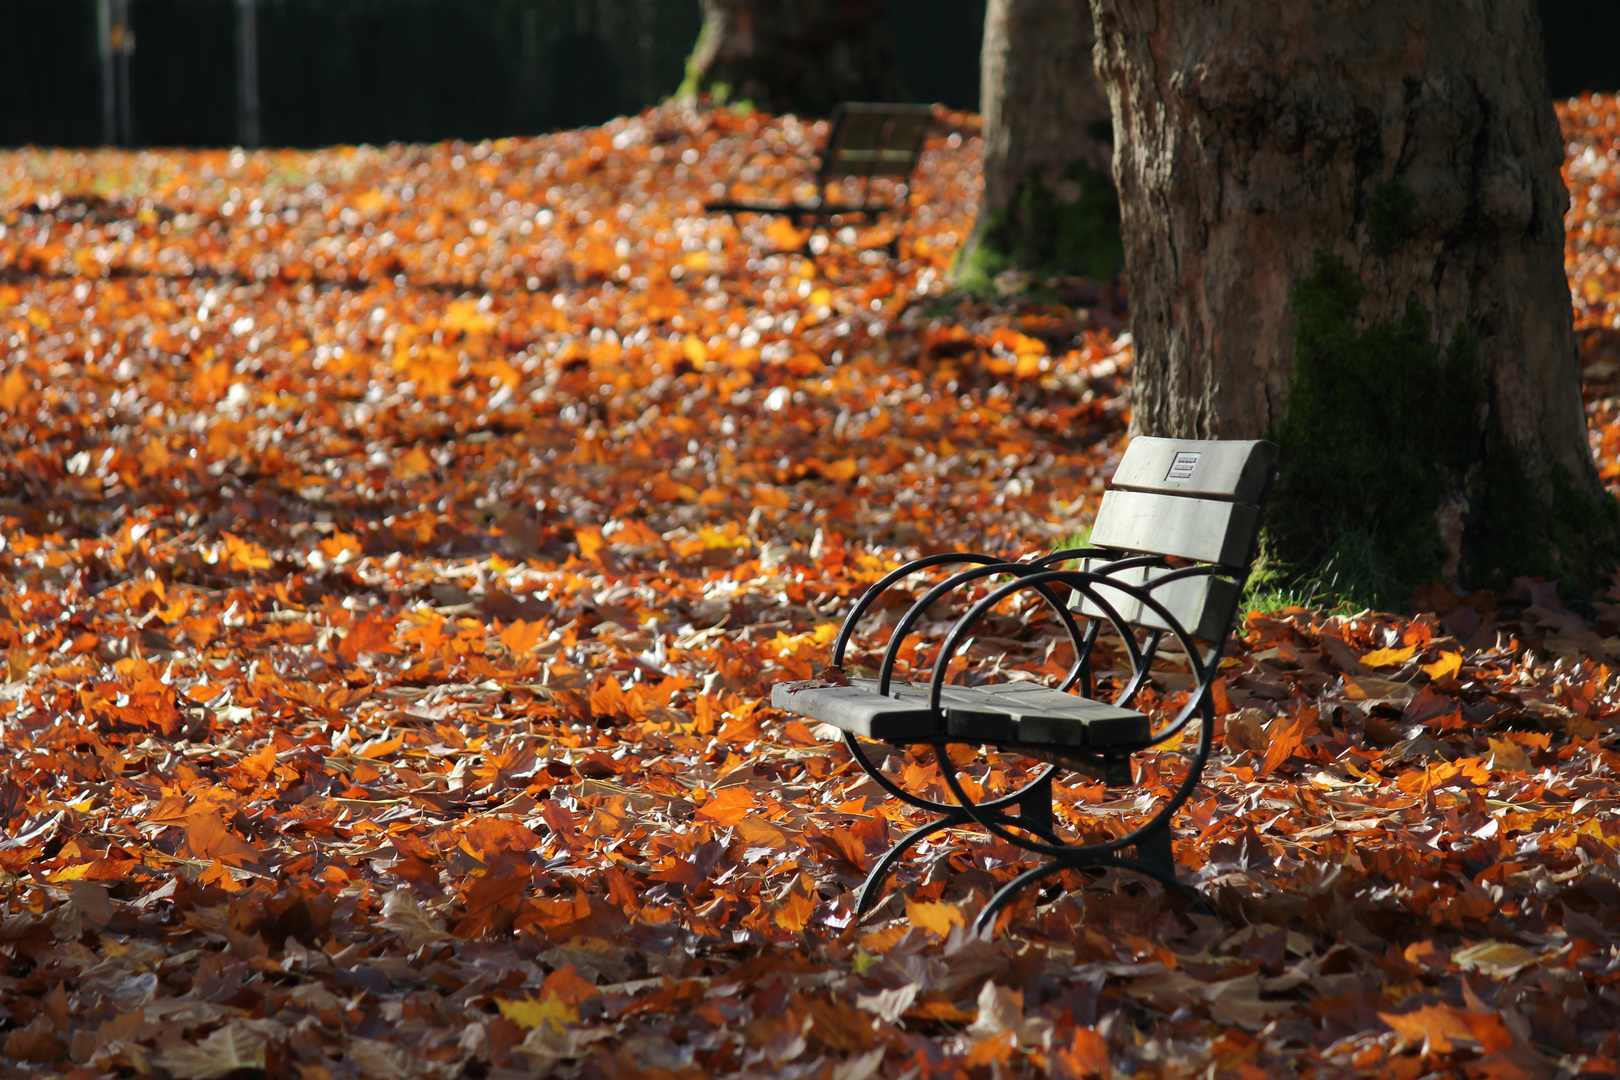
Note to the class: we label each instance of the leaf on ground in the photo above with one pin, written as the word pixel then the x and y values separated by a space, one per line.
pixel 1440 1029
pixel 936 917
pixel 727 806
pixel 233 1047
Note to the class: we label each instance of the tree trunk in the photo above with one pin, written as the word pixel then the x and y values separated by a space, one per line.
pixel 1048 205
pixel 802 56
pixel 1344 230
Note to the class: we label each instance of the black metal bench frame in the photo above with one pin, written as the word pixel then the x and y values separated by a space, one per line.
pixel 1099 592
pixel 867 140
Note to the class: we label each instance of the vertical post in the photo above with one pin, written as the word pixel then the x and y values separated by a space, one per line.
pixel 109 72
pixel 123 47
pixel 247 74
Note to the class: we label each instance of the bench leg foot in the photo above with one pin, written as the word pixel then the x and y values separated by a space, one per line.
pixel 872 888
pixel 1155 850
pixel 1035 809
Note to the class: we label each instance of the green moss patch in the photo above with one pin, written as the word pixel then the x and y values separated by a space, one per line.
pixel 1384 429
pixel 1070 229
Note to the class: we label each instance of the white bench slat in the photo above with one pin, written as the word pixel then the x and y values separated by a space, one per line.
pixel 1002 712
pixel 1031 713
pixel 1202 605
pixel 1200 529
pixel 1202 468
pixel 1124 605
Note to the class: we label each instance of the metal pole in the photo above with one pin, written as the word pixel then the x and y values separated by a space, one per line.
pixel 123 47
pixel 247 74
pixel 109 74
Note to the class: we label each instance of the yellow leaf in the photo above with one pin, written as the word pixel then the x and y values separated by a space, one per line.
pixel 1508 756
pixel 695 350
pixel 795 912
pixel 244 554
pixel 589 540
pixel 377 750
pixel 338 544
pixel 13 388
pixel 841 470
pixel 1445 667
pixel 464 315
pixel 1437 1027
pixel 729 535
pixel 551 1011
pixel 937 917
pixel 781 233
pixel 522 636
pixel 1389 657
pixel 415 462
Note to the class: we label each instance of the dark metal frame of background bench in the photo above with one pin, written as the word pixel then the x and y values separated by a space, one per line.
pixel 866 140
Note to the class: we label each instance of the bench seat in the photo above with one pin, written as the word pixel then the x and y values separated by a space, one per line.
pixel 1024 713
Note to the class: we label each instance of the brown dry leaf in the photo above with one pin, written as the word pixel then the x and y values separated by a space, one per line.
pixel 234 1046
pixel 398 546
pixel 208 837
pixel 1083 1057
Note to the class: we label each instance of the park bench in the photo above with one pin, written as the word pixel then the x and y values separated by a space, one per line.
pixel 867 140
pixel 1162 575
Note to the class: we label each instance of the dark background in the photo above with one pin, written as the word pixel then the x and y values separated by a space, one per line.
pixel 346 71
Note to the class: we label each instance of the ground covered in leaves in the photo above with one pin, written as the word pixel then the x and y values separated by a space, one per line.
pixel 396 549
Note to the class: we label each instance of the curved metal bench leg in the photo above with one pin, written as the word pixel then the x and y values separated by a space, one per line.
pixel 985 923
pixel 1166 877
pixel 1156 849
pixel 872 888
pixel 1035 809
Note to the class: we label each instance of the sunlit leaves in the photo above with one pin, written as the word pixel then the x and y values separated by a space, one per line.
pixel 392 575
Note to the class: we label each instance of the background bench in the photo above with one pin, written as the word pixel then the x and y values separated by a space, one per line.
pixel 867 140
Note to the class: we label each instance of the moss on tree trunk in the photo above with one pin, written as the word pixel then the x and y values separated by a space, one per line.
pixel 801 56
pixel 1049 204
pixel 1070 228
pixel 1394 470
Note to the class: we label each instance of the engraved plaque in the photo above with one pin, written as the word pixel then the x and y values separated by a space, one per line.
pixel 1181 469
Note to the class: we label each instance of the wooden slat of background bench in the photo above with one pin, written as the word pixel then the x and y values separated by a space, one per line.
pixel 1234 471
pixel 875 139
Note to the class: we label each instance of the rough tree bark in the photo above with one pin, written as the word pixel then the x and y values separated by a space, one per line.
pixel 1343 228
pixel 801 56
pixel 1049 206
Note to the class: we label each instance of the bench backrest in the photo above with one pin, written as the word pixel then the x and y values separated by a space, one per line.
pixel 1190 499
pixel 874 139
